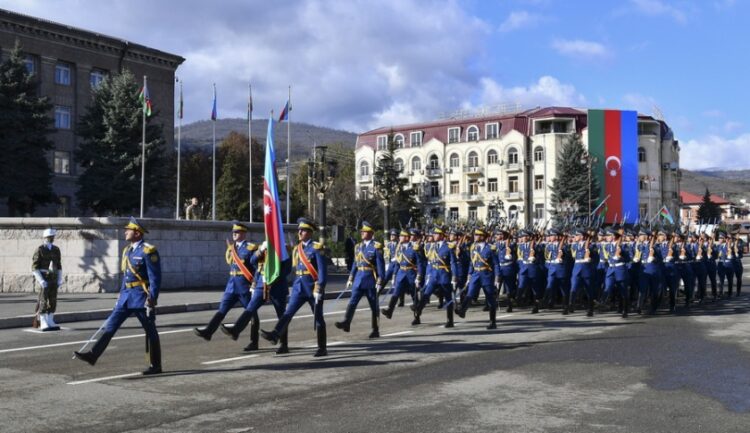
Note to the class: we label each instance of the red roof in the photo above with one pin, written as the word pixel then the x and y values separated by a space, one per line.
pixel 690 198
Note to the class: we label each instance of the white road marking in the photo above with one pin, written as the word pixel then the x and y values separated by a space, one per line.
pixel 101 379
pixel 333 343
pixel 393 334
pixel 219 361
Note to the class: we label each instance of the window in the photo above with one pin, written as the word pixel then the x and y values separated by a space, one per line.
pixel 641 154
pixel 538 154
pixel 642 184
pixel 96 77
pixel 492 185
pixel 364 169
pixel 416 164
pixel 492 157
pixel 416 139
pixel 473 187
pixel 434 162
pixel 472 212
pixel 398 141
pixel 453 214
pixel 63 208
pixel 62 162
pixel 30 62
pixel 455 187
pixel 490 130
pixel 454 161
pixel 472 134
pixel 539 211
pixel 512 156
pixel 643 210
pixel 453 134
pixel 399 165
pixel 473 159
pixel 434 189
pixel 62 74
pixel 538 182
pixel 382 142
pixel 513 184
pixel 364 193
pixel 417 188
pixel 513 212
pixel 62 117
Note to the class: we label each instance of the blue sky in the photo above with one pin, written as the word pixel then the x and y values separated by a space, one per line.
pixel 358 64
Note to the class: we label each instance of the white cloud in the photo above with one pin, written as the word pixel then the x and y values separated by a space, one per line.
pixel 581 49
pixel 714 151
pixel 643 104
pixel 657 7
pixel 731 126
pixel 546 91
pixel 713 113
pixel 518 20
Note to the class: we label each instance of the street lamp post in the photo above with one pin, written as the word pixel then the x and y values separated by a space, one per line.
pixel 322 173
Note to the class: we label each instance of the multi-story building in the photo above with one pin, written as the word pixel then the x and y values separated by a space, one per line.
pixel 69 62
pixel 465 167
pixel 689 204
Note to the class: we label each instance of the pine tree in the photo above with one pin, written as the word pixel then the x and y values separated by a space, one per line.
pixel 708 211
pixel 110 151
pixel 388 184
pixel 231 188
pixel 25 124
pixel 571 186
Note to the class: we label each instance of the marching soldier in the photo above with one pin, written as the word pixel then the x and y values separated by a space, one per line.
pixel 650 270
pixel 242 259
pixel 617 255
pixel 389 255
pixel 583 269
pixel 505 275
pixel 365 279
pixel 699 251
pixel 684 268
pixel 556 257
pixel 738 248
pixel 139 292
pixel 712 254
pixel 46 265
pixel 724 263
pixel 309 287
pixel 407 270
pixel 528 274
pixel 440 276
pixel 481 275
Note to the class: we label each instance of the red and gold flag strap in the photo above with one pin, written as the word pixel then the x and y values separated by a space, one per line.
pixel 305 261
pixel 245 271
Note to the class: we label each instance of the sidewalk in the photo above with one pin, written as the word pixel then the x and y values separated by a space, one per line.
pixel 17 309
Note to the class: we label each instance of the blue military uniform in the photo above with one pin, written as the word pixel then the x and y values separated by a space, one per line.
pixel 529 255
pixel 618 256
pixel 724 267
pixel 738 253
pixel 699 251
pixel 670 280
pixel 407 269
pixel 557 257
pixel 239 255
pixel 482 268
pixel 365 279
pixel 650 273
pixel 440 277
pixel 506 271
pixel 583 272
pixel 308 288
pixel 141 268
pixel 684 270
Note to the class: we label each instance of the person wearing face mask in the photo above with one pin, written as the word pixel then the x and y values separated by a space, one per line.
pixel 47 269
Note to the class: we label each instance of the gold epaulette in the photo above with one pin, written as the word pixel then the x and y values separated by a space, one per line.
pixel 493 247
pixel 416 246
pixel 251 246
pixel 148 248
pixel 451 245
pixel 378 245
pixel 318 245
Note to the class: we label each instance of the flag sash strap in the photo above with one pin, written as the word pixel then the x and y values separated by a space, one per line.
pixel 245 271
pixel 305 261
pixel 144 284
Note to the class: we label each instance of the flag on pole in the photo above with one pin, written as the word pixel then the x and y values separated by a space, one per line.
pixel 664 213
pixel 145 100
pixel 276 248
pixel 285 112
pixel 213 110
pixel 180 110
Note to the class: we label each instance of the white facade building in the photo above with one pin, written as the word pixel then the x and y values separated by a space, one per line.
pixel 463 168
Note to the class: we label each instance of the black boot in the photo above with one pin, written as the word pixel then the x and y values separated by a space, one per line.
pixel 284 340
pixel 590 312
pixel 418 311
pixel 239 325
pixel 322 351
pixel 375 328
pixel 154 356
pixel 441 301
pixel 344 326
pixel 449 321
pixel 461 309
pixel 535 308
pixel 401 299
pixel 254 334
pixel 639 307
pixel 566 301
pixel 92 355
pixel 207 331
pixel 493 322
pixel 625 308
pixel 272 336
pixel 509 309
pixel 388 312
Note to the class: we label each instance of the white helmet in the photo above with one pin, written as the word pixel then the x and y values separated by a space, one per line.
pixel 50 233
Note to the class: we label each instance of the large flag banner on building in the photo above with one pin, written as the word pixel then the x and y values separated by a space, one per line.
pixel 613 141
pixel 276 247
pixel 145 100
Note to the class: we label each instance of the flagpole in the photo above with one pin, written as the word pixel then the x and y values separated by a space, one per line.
pixel 179 134
pixel 143 147
pixel 213 160
pixel 250 148
pixel 288 151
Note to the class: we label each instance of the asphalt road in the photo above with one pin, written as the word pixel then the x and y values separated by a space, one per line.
pixel 535 373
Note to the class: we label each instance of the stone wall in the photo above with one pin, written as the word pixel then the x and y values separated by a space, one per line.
pixel 192 252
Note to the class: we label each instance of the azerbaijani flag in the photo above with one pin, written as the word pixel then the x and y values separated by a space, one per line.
pixel 145 100
pixel 276 252
pixel 285 112
pixel 213 110
pixel 664 213
pixel 613 140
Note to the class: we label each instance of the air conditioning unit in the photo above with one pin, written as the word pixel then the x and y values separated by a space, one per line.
pixel 665 166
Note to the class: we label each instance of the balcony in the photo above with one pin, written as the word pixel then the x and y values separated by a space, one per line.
pixel 471 197
pixel 515 167
pixel 473 170
pixel 434 172
pixel 430 198
pixel 364 178
pixel 513 195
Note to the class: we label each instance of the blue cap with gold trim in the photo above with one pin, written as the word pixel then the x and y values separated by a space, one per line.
pixel 480 231
pixel 133 224
pixel 239 227
pixel 415 232
pixel 366 227
pixel 306 224
pixel 393 232
pixel 438 230
pixel 403 232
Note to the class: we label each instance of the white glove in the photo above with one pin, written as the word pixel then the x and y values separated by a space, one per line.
pixel 349 284
pixel 59 278
pixel 263 247
pixel 507 257
pixel 39 278
pixel 318 296
pixel 455 285
pixel 45 284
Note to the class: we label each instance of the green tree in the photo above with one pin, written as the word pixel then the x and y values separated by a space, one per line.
pixel 389 186
pixel 570 188
pixel 708 211
pixel 25 124
pixel 195 179
pixel 110 151
pixel 231 188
